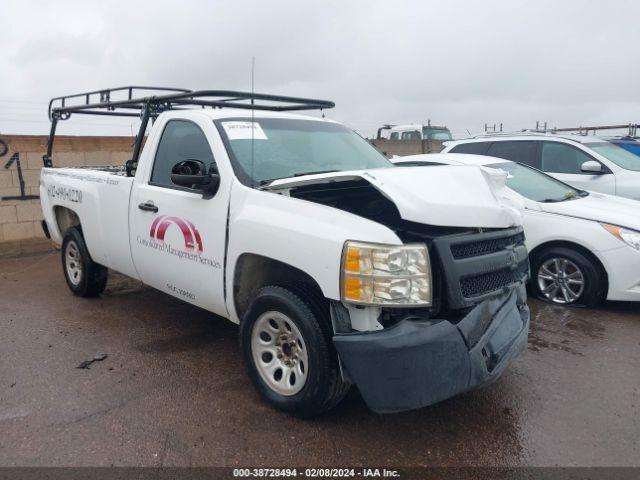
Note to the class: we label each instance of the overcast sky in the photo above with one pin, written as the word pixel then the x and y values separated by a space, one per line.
pixel 462 64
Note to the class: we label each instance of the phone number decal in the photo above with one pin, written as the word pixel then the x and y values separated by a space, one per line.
pixel 63 193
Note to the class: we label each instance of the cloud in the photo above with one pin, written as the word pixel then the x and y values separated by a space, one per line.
pixel 59 50
pixel 458 63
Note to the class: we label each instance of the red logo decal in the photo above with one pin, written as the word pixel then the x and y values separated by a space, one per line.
pixel 192 239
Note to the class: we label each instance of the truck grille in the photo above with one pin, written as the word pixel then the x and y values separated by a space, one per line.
pixel 483 247
pixel 476 266
pixel 478 285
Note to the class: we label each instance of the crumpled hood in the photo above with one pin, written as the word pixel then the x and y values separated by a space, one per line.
pixel 454 196
pixel 601 208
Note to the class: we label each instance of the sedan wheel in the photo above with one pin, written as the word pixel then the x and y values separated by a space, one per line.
pixel 561 281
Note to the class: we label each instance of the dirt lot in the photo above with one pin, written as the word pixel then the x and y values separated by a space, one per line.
pixel 173 391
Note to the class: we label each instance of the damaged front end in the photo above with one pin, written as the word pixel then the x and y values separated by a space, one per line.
pixel 419 362
pixel 477 318
pixel 478 322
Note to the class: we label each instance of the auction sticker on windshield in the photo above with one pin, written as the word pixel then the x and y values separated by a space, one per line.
pixel 244 131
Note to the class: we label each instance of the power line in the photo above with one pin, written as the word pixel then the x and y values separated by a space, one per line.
pixel 84 127
pixel 7 120
pixel 24 114
pixel 43 102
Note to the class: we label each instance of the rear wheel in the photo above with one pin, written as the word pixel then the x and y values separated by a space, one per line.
pixel 287 347
pixel 564 276
pixel 84 277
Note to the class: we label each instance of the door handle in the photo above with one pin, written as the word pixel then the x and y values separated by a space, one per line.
pixel 148 207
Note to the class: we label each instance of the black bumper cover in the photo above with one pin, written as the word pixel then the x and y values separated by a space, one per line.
pixel 418 363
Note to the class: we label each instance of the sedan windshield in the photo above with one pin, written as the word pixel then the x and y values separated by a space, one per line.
pixel 267 149
pixel 535 185
pixel 617 155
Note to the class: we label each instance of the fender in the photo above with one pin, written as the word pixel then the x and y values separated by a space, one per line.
pixel 544 227
pixel 270 224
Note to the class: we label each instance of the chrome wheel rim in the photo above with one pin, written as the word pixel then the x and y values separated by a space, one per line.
pixel 279 353
pixel 560 280
pixel 73 263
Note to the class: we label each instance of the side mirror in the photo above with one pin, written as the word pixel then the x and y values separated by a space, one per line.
pixel 591 166
pixel 193 174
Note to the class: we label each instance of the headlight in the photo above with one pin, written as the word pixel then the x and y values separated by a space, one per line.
pixel 630 237
pixel 386 275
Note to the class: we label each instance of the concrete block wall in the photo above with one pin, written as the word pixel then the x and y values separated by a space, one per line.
pixel 20 212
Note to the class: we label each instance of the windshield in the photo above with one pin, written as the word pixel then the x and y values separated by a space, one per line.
pixel 535 185
pixel 436 134
pixel 283 148
pixel 617 155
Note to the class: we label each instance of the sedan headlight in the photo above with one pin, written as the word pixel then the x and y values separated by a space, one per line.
pixel 628 236
pixel 386 275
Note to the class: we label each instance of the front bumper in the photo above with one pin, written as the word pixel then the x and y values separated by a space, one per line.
pixel 418 363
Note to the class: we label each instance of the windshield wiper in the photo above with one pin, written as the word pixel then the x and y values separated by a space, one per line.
pixel 267 181
pixel 317 172
pixel 567 196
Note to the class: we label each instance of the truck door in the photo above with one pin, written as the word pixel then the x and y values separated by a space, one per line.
pixel 177 237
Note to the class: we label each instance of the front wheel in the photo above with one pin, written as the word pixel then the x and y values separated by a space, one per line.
pixel 564 276
pixel 286 343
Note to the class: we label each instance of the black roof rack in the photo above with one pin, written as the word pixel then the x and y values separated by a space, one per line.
pixel 147 102
pixel 106 102
pixel 93 102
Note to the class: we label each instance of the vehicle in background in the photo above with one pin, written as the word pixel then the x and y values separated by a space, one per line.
pixel 583 246
pixel 392 140
pixel 631 144
pixel 339 267
pixel 587 163
pixel 414 132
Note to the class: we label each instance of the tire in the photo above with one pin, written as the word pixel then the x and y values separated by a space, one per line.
pixel 307 352
pixel 84 277
pixel 583 282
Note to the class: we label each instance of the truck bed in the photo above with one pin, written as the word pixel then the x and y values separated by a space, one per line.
pixel 99 197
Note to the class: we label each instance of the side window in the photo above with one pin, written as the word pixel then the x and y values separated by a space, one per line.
pixel 181 140
pixel 562 158
pixel 412 135
pixel 477 148
pixel 394 136
pixel 516 151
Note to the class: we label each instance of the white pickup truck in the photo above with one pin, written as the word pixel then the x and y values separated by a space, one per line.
pixel 339 267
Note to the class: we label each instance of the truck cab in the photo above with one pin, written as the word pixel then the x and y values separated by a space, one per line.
pixel 415 132
pixel 339 267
